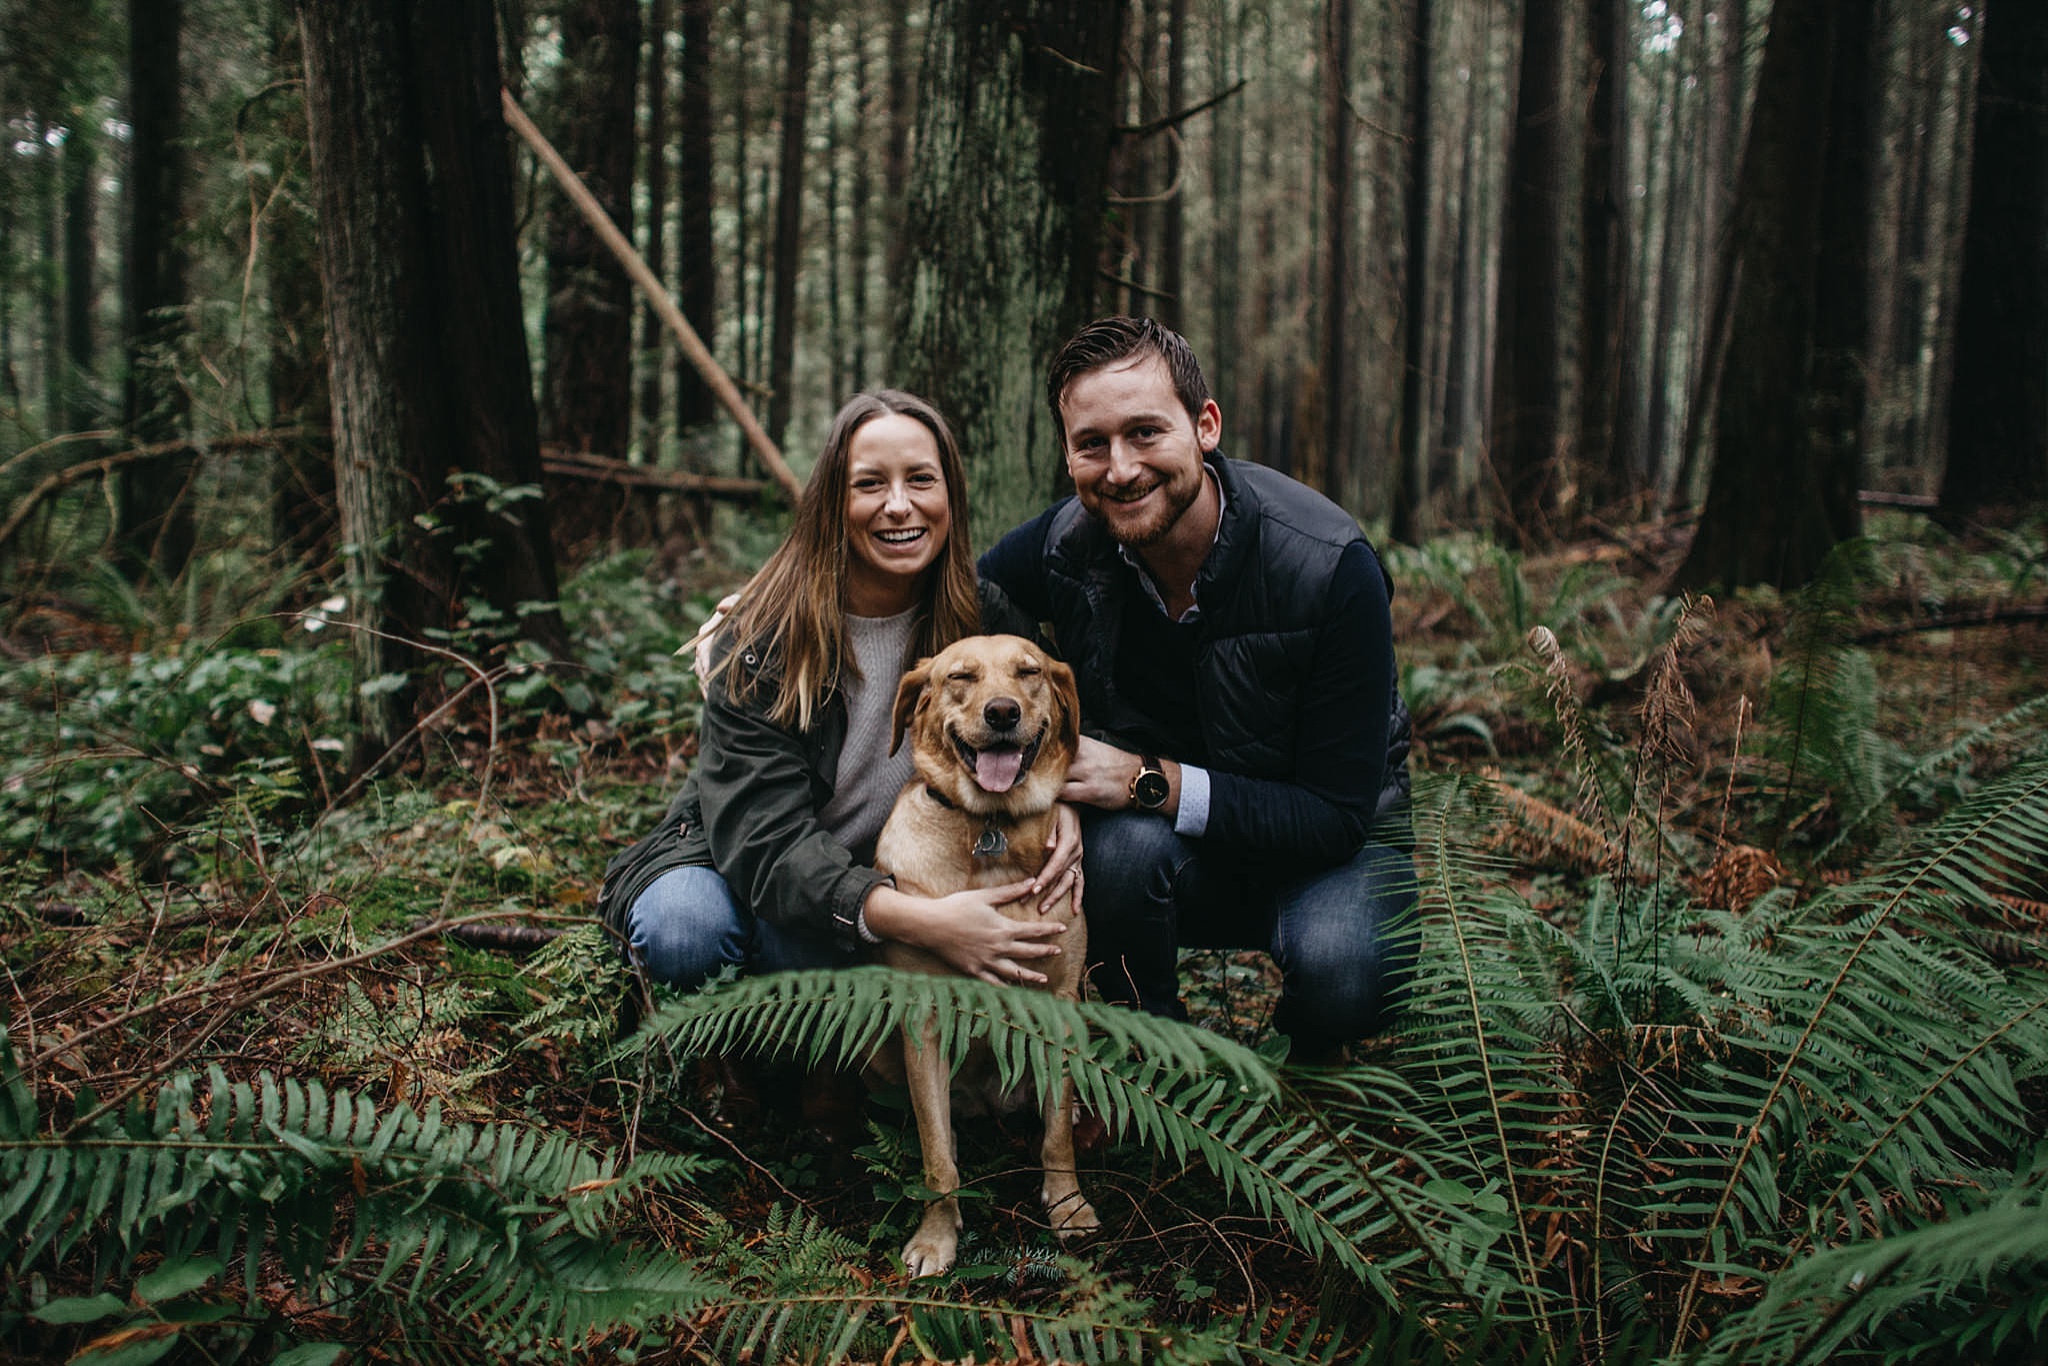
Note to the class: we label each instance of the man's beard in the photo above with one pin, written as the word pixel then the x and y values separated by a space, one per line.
pixel 1157 520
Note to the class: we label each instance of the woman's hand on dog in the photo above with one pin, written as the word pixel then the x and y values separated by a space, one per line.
pixel 1062 871
pixel 967 931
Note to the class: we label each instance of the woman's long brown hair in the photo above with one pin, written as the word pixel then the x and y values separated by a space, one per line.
pixel 794 611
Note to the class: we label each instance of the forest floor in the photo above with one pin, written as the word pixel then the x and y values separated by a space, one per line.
pixel 183 886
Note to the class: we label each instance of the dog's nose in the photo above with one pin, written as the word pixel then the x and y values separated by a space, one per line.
pixel 1002 713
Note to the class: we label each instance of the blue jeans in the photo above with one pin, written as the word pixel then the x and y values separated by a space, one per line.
pixel 686 927
pixel 1344 937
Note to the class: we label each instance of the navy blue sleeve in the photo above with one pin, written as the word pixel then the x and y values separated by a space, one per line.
pixel 1016 564
pixel 1340 742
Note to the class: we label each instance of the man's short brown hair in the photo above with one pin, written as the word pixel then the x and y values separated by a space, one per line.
pixel 1109 340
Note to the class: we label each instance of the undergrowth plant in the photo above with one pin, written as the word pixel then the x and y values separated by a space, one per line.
pixel 1633 1111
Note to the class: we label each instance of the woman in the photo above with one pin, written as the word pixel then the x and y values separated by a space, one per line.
pixel 762 859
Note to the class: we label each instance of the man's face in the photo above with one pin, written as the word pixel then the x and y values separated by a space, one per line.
pixel 1133 451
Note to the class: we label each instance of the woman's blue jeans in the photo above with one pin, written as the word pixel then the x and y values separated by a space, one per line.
pixel 686 927
pixel 1344 937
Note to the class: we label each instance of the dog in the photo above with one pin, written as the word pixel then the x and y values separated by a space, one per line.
pixel 993 723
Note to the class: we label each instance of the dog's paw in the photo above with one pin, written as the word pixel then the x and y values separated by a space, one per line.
pixel 1072 1216
pixel 932 1250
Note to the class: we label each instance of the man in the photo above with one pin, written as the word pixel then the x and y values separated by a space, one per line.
pixel 1243 781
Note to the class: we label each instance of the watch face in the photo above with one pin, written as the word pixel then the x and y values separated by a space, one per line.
pixel 1149 789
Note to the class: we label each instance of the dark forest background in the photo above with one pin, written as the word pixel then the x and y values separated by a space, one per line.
pixel 1686 359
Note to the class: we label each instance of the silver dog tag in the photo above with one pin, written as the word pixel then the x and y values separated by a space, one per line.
pixel 991 844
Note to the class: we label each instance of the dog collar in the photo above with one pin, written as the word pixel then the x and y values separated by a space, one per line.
pixel 992 842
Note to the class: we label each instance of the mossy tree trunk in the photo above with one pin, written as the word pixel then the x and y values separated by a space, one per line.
pixel 1001 230
pixel 1998 413
pixel 1787 442
pixel 153 509
pixel 427 358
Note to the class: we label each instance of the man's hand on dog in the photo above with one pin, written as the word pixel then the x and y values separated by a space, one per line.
pixel 968 931
pixel 1101 776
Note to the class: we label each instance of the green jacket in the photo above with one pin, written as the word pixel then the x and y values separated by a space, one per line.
pixel 749 808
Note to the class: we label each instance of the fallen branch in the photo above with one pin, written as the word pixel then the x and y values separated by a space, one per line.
pixel 693 346
pixel 607 469
pixel 1956 621
pixel 162 450
pixel 1166 121
pixel 1916 502
pixel 509 938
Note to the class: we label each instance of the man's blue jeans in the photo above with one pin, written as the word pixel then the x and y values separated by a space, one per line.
pixel 686 927
pixel 1343 937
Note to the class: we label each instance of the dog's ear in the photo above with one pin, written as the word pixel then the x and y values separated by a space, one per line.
pixel 909 693
pixel 1067 700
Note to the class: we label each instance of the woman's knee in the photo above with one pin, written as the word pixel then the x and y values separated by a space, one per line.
pixel 686 927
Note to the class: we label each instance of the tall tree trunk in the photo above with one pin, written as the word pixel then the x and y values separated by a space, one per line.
pixel 1783 492
pixel 426 350
pixel 81 282
pixel 902 116
pixel 1410 486
pixel 1226 174
pixel 1005 207
pixel 50 207
pixel 477 259
pixel 1173 309
pixel 860 202
pixel 587 335
pixel 1526 372
pixel 789 209
pixel 1998 407
pixel 696 251
pixel 654 148
pixel 1323 459
pixel 302 493
pixel 153 508
pixel 391 423
pixel 1603 234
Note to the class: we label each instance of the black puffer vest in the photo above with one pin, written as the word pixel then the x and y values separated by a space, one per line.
pixel 1264 592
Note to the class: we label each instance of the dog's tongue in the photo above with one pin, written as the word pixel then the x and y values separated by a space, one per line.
pixel 996 769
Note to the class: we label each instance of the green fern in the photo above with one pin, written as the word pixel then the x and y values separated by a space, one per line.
pixel 1347 1191
pixel 494 1234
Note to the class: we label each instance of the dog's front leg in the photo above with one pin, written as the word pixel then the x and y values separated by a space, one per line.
pixel 1072 1216
pixel 932 1249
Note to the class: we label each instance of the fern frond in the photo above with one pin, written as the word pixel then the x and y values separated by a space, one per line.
pixel 501 1229
pixel 1341 1191
pixel 1972 1283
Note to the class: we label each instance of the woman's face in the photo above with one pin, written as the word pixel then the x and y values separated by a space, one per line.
pixel 897 516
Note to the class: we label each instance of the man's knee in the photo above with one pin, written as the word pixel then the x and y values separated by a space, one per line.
pixel 1130 861
pixel 1347 947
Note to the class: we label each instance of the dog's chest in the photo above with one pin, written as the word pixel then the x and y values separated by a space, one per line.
pixel 938 853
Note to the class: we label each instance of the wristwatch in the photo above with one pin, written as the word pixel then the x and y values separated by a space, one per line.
pixel 1149 790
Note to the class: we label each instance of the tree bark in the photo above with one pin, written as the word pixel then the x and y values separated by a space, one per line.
pixel 1782 491
pixel 1005 207
pixel 587 335
pixel 654 149
pixel 1410 485
pixel 1173 309
pixel 81 284
pixel 1998 406
pixel 1323 459
pixel 389 426
pixel 789 208
pixel 1526 372
pixel 426 351
pixel 696 253
pixel 153 509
